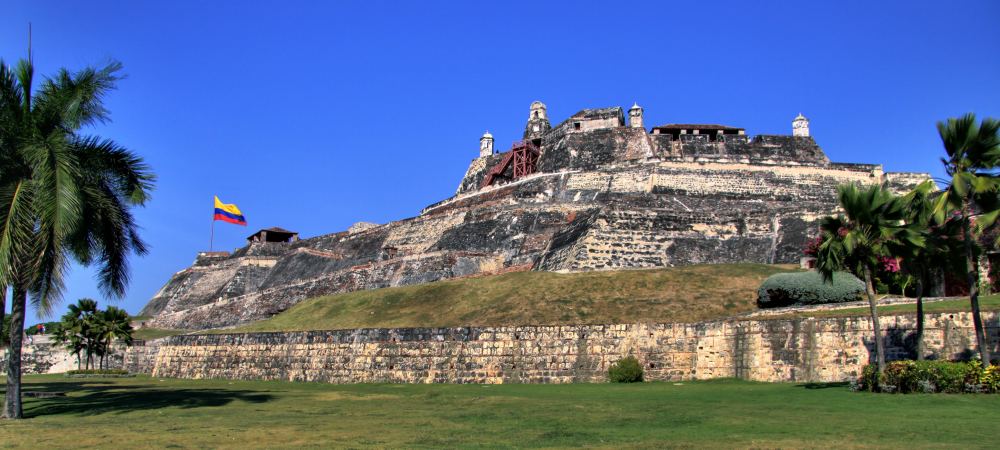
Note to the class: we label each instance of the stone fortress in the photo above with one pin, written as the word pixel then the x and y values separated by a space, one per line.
pixel 594 192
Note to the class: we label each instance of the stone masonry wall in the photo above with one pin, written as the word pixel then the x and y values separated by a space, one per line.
pixel 44 355
pixel 605 197
pixel 808 349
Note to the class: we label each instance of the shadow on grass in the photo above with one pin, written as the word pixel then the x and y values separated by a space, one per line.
pixel 839 384
pixel 91 398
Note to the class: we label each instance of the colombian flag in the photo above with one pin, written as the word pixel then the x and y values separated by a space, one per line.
pixel 228 213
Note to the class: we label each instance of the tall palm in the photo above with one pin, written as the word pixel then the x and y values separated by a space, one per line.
pixel 973 156
pixel 63 194
pixel 940 252
pixel 114 324
pixel 872 221
pixel 75 328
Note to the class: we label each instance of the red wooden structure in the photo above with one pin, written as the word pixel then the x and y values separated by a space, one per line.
pixel 523 155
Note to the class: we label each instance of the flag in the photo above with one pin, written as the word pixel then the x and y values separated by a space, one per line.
pixel 228 213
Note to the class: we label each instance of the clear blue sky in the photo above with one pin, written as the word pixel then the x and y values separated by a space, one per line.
pixel 315 115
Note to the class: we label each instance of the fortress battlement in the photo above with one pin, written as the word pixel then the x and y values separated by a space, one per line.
pixel 596 138
pixel 595 192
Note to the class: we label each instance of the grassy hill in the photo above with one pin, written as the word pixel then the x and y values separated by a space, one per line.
pixel 682 294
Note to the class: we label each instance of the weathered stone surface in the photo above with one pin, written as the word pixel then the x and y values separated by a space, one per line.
pixel 42 354
pixel 807 349
pixel 810 349
pixel 606 197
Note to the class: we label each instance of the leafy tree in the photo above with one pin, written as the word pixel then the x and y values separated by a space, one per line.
pixel 113 324
pixel 871 223
pixel 63 194
pixel 973 156
pixel 87 330
pixel 77 329
pixel 941 250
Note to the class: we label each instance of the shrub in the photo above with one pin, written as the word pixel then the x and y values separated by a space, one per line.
pixel 990 379
pixel 931 376
pixel 627 370
pixel 808 288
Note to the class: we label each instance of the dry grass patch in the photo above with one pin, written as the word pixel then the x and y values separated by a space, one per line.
pixel 681 294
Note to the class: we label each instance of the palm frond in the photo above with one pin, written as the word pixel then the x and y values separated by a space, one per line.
pixel 17 233
pixel 130 176
pixel 71 101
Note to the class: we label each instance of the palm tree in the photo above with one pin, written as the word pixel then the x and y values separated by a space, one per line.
pixel 114 324
pixel 63 194
pixel 973 156
pixel 939 251
pixel 872 219
pixel 76 328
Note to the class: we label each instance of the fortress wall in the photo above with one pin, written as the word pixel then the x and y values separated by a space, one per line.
pixel 756 181
pixel 43 354
pixel 139 358
pixel 259 305
pixel 809 349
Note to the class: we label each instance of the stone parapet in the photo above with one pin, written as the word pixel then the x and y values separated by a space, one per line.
pixel 805 349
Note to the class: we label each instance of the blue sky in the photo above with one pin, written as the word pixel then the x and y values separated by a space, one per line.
pixel 315 115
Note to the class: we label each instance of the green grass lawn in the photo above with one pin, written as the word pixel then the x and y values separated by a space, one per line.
pixel 144 412
pixel 680 294
pixel 156 333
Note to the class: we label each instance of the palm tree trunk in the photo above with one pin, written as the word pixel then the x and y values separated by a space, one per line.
pixel 876 328
pixel 12 402
pixel 3 305
pixel 920 317
pixel 973 278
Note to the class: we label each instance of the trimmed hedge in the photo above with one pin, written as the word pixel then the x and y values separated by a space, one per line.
pixel 627 370
pixel 907 377
pixel 808 288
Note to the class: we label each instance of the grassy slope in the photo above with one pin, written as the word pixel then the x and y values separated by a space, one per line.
pixel 151 413
pixel 682 294
pixel 155 333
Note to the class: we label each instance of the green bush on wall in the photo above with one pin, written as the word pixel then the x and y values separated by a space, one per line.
pixel 626 370
pixel 808 288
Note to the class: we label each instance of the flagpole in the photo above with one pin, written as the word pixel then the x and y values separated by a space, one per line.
pixel 211 236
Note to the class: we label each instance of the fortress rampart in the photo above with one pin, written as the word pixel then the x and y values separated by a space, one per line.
pixel 760 349
pixel 591 193
pixel 806 349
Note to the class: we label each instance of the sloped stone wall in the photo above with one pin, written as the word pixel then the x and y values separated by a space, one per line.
pixel 605 197
pixel 810 349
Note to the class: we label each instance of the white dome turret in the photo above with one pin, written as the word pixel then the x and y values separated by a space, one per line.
pixel 635 116
pixel 800 126
pixel 486 144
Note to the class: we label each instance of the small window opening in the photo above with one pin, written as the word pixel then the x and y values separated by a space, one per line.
pixel 576 125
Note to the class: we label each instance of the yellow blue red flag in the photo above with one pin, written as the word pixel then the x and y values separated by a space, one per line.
pixel 228 213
